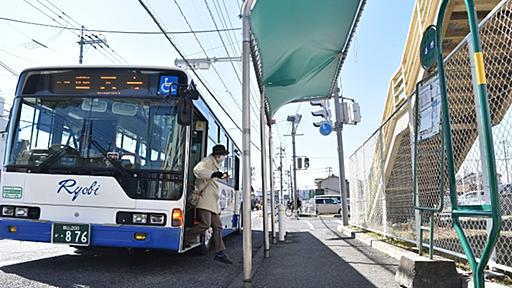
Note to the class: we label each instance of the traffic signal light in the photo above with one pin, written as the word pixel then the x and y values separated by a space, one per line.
pixel 302 163
pixel 326 124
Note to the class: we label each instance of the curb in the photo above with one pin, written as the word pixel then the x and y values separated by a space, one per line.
pixel 393 251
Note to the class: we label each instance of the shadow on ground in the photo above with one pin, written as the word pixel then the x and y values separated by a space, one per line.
pixel 304 261
pixel 118 268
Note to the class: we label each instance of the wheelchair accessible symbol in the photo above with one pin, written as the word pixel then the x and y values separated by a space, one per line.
pixel 168 85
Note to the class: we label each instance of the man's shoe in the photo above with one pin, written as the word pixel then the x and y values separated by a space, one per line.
pixel 222 258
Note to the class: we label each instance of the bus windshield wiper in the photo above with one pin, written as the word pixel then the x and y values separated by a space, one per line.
pixel 54 156
pixel 113 162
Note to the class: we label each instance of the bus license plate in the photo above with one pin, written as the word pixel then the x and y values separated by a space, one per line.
pixel 74 234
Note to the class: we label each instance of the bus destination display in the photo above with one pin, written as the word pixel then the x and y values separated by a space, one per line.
pixel 100 84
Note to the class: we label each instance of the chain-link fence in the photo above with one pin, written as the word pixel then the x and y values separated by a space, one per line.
pixel 381 170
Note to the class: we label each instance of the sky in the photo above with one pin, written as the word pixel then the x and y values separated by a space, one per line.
pixel 374 56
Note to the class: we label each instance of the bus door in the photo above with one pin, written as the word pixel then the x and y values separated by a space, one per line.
pixel 197 152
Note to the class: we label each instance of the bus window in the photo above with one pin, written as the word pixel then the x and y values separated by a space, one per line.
pixel 213 131
pixel 223 139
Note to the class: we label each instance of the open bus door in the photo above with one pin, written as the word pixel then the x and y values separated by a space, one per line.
pixel 197 152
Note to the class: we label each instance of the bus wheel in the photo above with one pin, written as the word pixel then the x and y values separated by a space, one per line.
pixel 206 238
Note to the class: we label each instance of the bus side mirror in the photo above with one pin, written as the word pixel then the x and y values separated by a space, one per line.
pixel 191 91
pixel 186 106
pixel 185 111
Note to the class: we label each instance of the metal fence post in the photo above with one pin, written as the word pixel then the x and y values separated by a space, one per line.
pixel 383 184
pixel 417 213
pixel 271 178
pixel 246 144
pixel 264 174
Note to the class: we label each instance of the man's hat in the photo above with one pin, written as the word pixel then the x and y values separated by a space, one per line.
pixel 219 150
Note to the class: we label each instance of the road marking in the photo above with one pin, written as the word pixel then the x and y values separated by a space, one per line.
pixel 311 227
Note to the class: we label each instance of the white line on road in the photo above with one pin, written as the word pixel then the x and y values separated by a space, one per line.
pixel 311 227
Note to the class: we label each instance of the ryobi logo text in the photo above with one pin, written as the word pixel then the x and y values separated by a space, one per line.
pixel 70 186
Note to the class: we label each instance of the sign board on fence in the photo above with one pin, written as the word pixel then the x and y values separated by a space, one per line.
pixel 429 98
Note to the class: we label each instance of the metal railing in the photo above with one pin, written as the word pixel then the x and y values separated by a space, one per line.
pixel 381 173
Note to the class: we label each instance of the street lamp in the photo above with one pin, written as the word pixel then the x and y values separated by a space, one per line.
pixel 203 63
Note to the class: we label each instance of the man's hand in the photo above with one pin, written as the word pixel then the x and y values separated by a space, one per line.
pixel 217 174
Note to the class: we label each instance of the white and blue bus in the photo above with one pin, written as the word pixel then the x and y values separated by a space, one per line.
pixel 103 157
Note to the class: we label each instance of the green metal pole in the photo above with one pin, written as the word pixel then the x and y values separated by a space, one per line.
pixel 447 132
pixel 487 139
pixel 448 139
pixel 494 211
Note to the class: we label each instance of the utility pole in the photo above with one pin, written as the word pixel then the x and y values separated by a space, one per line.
pixel 290 189
pixel 295 120
pixel 329 171
pixel 341 159
pixel 281 150
pixel 81 42
pixel 91 42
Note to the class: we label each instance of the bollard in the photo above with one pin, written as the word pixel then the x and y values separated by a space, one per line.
pixel 280 218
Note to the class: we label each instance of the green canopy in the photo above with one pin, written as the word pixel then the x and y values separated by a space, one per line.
pixel 300 46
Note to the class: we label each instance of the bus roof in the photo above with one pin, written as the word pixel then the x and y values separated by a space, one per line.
pixel 82 66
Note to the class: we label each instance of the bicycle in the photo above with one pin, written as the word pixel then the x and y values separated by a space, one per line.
pixel 290 209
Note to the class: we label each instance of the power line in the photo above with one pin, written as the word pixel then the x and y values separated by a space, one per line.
pixel 214 68
pixel 64 26
pixel 9 69
pixel 204 51
pixel 221 17
pixel 118 58
pixel 237 51
pixel 186 60
pixel 117 31
pixel 225 48
pixel 173 44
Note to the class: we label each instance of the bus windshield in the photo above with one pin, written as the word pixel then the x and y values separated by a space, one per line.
pixel 92 135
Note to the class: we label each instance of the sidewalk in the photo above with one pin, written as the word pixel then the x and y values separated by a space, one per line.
pixel 316 255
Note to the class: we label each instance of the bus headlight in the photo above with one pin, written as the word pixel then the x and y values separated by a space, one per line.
pixel 21 212
pixel 156 219
pixel 138 218
pixel 177 217
pixel 7 211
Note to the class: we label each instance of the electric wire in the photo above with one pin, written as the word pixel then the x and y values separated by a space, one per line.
pixel 173 44
pixel 114 31
pixel 109 51
pixel 223 17
pixel 72 31
pixel 9 69
pixel 214 68
pixel 228 54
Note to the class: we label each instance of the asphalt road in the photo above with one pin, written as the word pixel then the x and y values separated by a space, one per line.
pixel 27 264
pixel 312 244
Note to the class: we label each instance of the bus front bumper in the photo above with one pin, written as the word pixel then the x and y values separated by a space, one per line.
pixel 101 235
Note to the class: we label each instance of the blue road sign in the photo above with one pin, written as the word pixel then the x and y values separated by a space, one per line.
pixel 168 85
pixel 325 128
